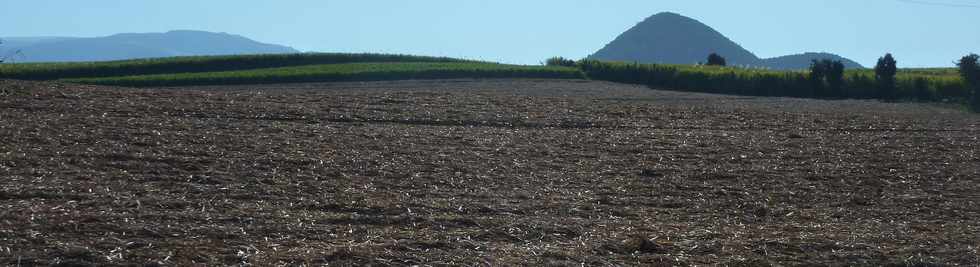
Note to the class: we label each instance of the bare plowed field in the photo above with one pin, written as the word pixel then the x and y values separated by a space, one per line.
pixel 479 172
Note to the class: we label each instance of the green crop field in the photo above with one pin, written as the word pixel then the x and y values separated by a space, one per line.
pixel 288 68
pixel 928 84
pixel 54 71
pixel 340 72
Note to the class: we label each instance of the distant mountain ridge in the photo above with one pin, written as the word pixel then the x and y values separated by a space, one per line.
pixel 134 46
pixel 671 38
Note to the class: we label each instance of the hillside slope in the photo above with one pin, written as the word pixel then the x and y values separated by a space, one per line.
pixel 673 39
pixel 670 38
pixel 138 45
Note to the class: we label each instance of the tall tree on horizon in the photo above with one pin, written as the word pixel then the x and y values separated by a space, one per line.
pixel 885 72
pixel 970 70
pixel 835 78
pixel 827 78
pixel 818 72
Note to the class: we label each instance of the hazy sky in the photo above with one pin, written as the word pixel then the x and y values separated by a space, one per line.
pixel 919 32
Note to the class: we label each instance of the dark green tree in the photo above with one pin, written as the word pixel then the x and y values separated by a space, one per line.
pixel 835 78
pixel 560 61
pixel 971 74
pixel 715 59
pixel 827 78
pixel 818 73
pixel 885 72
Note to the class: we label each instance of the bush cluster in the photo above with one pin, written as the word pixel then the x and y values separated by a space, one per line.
pixel 715 59
pixel 560 61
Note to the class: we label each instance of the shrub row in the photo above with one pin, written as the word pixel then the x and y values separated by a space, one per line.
pixel 858 84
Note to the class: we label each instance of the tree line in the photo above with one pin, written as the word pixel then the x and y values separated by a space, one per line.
pixel 825 79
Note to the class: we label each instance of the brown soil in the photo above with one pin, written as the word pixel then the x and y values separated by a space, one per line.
pixel 477 172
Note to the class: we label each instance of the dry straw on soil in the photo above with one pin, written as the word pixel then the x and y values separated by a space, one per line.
pixel 500 172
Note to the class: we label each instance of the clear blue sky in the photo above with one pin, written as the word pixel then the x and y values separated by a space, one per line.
pixel 526 31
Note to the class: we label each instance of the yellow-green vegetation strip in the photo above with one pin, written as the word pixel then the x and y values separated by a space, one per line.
pixel 67 70
pixel 940 84
pixel 339 73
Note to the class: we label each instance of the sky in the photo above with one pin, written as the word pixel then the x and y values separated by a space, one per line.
pixel 920 33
